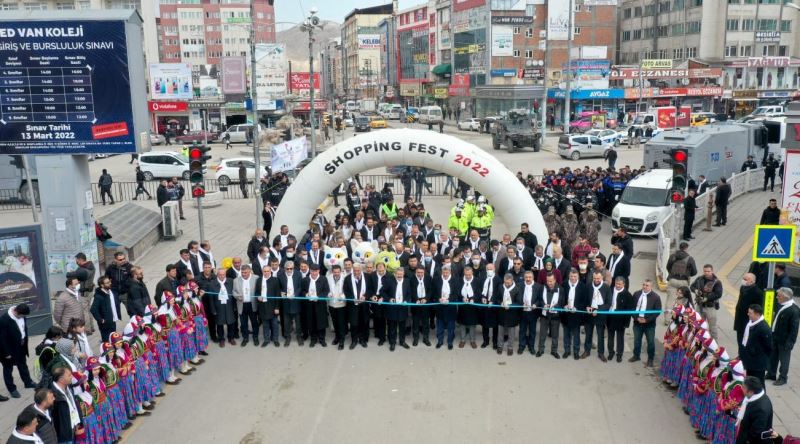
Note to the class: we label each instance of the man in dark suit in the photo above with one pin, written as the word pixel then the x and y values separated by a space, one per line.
pixel 551 296
pixel 529 291
pixel 624 241
pixel 784 335
pixel 184 263
pixel 756 423
pixel 599 299
pixel 749 294
pixel 222 307
pixel 721 201
pixel 396 292
pixel 370 231
pixel 421 294
pixel 446 290
pixel 702 186
pixel 169 283
pixel 64 413
pixel 648 306
pixel 530 238
pixel 43 401
pixel 576 300
pixel 756 343
pixel 355 291
pixel 289 285
pixel 14 347
pixel 621 300
pixel 561 263
pixel 105 308
pixel 315 286
pixel 267 306
pixel 619 264
pixel 506 263
pixel 524 252
pixel 375 283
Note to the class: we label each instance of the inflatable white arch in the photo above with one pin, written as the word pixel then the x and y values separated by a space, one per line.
pixel 420 148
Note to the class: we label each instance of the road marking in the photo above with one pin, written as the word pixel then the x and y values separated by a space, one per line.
pixel 725 270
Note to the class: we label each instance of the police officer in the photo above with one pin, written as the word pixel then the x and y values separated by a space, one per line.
pixel 770 166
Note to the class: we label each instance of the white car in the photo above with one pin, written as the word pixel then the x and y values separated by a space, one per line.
pixel 471 124
pixel 624 139
pixel 156 139
pixel 164 164
pixel 228 170
pixel 608 136
pixel 348 122
pixel 238 133
pixel 578 146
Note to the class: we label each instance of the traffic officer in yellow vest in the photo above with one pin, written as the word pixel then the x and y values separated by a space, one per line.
pixel 459 222
pixel 489 210
pixel 389 209
pixel 470 209
pixel 482 222
pixel 459 204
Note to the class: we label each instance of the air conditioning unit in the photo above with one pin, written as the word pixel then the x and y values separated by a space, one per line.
pixel 169 220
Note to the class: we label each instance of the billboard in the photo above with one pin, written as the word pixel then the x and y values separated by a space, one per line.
pixel 691 73
pixel 589 74
pixel 233 75
pixel 171 81
pixel 271 68
pixel 656 64
pixel 790 202
pixel 23 277
pixel 300 83
pixel 369 41
pixel 502 41
pixel 65 86
pixel 558 19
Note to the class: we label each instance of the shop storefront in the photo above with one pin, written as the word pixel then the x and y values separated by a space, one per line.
pixel 493 100
pixel 610 101
pixel 699 98
pixel 172 115
pixel 205 115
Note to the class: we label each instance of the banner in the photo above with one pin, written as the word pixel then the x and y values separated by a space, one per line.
pixel 171 81
pixel 271 68
pixel 23 276
pixel 502 41
pixel 558 19
pixel 233 75
pixel 656 64
pixel 440 93
pixel 691 73
pixel 460 85
pixel 790 202
pixel 588 74
pixel 369 41
pixel 300 83
pixel 62 83
pixel 511 20
pixel 287 155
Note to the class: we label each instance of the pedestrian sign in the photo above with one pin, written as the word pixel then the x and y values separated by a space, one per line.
pixel 774 243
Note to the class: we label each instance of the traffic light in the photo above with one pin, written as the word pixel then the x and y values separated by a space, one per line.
pixel 197 160
pixel 679 158
pixel 199 190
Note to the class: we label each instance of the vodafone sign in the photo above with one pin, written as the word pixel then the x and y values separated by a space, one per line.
pixel 166 107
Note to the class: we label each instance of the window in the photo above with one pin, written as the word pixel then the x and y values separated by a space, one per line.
pixel 576 7
pixel 516 53
pixel 663 31
pixel 626 36
pixel 35 6
pixel 732 25
pixel 649 10
pixel 528 53
pixel 663 7
pixel 746 51
pixel 530 10
pixel 528 32
pixel 678 5
pixel 782 51
pixel 768 50
pixel 8 6
pixel 786 26
pixel 576 30
pixel 677 29
pixel 767 25
pixel 693 28
pixel 731 51
pixel 734 2
pixel 677 53
pixel 696 3
pixel 748 24
pixel 691 52
pixel 516 30
pixel 768 2
pixel 64 6
pixel 637 34
pixel 626 13
pixel 648 33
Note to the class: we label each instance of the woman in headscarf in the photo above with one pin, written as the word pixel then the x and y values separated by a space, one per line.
pixel 549 268
pixel 67 350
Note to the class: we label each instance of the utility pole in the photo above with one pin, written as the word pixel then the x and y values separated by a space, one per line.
pixel 568 91
pixel 311 89
pixel 254 104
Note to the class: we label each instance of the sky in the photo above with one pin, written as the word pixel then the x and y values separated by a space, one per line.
pixel 335 10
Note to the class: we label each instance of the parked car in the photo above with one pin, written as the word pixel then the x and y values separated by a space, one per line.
pixel 624 139
pixel 471 124
pixel 377 122
pixel 156 139
pixel 348 122
pixel 608 136
pixel 576 147
pixel 362 123
pixel 228 170
pixel 768 111
pixel 164 164
pixel 196 136
pixel 238 133
pixel 702 118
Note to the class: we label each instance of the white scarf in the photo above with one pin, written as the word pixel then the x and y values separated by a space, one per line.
pixel 74 293
pixel 747 400
pixel 83 344
pixel 380 282
pixel 597 298
pixel 614 299
pixel 488 287
pixel 289 285
pixel 538 262
pixel 276 253
pixel 507 295
pixel 571 294
pixel 747 329
pixel 246 289
pixel 641 304
pixel 74 416
pixel 186 264
pixel 553 299
pixel 262 263
pixel 223 292
pixel 398 292
pixel 197 259
pixel 784 306
pixel 445 296
pixel 210 257
pixel 420 288
pixel 337 292
pixel 32 438
pixel 114 314
pixel 466 291
pixel 264 294
pixel 284 240
pixel 614 261
pixel 527 297
pixel 358 293
pixel 312 288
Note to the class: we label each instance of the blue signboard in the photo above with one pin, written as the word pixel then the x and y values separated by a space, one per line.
pixel 774 243
pixel 503 73
pixel 587 94
pixel 65 88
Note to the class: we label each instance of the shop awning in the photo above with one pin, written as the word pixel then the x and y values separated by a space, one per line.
pixel 441 69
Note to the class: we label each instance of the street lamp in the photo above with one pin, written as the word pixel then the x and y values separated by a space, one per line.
pixel 309 24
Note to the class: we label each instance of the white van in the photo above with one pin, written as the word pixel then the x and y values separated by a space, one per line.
pixel 351 106
pixel 644 203
pixel 395 112
pixel 768 111
pixel 164 164
pixel 430 114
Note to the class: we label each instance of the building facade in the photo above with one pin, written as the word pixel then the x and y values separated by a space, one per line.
pixel 361 51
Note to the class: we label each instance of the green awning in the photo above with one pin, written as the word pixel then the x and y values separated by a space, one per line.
pixel 441 69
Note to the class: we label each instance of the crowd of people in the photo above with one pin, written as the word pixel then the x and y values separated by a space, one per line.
pixel 393 274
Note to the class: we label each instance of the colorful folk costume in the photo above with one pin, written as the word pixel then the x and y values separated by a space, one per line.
pixel 200 322
pixel 168 321
pixel 729 402
pixel 122 358
pixel 159 344
pixel 715 383
pixel 113 389
pixel 185 327
pixel 670 365
pixel 706 364
pixel 102 403
pixel 691 358
pixel 93 431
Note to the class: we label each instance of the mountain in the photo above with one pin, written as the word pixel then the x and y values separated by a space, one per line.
pixel 296 41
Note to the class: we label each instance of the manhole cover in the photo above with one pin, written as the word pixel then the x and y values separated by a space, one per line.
pixel 645 255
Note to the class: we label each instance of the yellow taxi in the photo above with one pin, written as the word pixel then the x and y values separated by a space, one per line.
pixel 326 119
pixel 701 119
pixel 378 122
